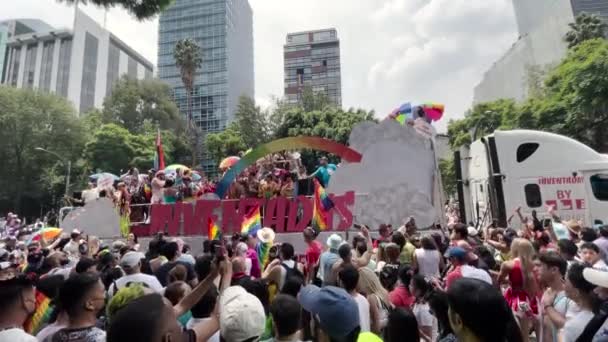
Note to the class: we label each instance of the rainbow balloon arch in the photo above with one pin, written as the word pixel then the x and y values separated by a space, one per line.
pixel 280 213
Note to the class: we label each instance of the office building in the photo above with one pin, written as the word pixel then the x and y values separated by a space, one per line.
pixel 223 29
pixel 80 64
pixel 542 26
pixel 312 59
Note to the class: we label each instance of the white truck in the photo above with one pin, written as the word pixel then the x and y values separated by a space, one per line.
pixel 532 170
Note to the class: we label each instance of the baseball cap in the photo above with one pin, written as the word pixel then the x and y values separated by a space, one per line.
pixel 472 231
pixel 457 252
pixel 131 259
pixel 596 276
pixel 337 311
pixel 334 241
pixel 242 315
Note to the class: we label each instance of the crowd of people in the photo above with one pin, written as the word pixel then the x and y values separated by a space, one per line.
pixel 518 283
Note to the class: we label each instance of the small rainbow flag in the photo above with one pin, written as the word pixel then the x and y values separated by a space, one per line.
pixel 213 231
pixel 252 222
pixel 41 316
pixel 263 249
pixel 322 204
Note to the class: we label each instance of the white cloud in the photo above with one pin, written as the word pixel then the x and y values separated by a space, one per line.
pixel 392 50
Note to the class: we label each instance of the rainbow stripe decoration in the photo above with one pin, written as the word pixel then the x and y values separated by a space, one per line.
pixel 41 316
pixel 263 249
pixel 294 143
pixel 321 206
pixel 213 230
pixel 252 222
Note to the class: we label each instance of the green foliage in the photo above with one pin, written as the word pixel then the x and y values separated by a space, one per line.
pixel 448 175
pixel 143 9
pixel 252 123
pixel 30 119
pixel 188 58
pixel 226 143
pixel 133 102
pixel 585 27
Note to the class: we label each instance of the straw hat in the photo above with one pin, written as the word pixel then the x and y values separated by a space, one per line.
pixel 266 235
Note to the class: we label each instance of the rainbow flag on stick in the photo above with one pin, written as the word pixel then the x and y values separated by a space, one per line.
pixel 321 206
pixel 213 231
pixel 41 316
pixel 252 222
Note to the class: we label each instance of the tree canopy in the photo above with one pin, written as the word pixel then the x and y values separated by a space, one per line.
pixel 142 9
pixel 585 27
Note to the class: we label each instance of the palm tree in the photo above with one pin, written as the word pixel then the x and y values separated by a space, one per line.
pixel 188 59
pixel 585 27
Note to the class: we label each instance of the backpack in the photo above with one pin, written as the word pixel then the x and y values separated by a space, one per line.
pixel 294 279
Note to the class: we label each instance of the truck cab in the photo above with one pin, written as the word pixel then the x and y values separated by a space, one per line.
pixel 532 170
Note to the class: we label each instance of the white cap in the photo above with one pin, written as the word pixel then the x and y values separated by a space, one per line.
pixel 334 241
pixel 472 231
pixel 595 276
pixel 242 315
pixel 131 259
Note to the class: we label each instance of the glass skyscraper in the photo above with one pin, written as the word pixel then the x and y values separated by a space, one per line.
pixel 223 29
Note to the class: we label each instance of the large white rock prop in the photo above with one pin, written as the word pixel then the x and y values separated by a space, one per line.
pixel 397 174
pixel 99 218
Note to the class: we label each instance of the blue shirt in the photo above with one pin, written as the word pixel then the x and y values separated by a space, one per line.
pixel 322 174
pixel 328 259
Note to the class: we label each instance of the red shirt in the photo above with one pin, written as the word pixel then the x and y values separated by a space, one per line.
pixel 313 252
pixel 401 297
pixel 453 276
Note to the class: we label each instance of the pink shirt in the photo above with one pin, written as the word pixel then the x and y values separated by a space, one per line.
pixel 256 271
pixel 401 297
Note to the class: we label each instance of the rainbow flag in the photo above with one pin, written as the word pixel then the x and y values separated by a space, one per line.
pixel 41 316
pixel 213 231
pixel 321 205
pixel 263 249
pixel 159 157
pixel 252 222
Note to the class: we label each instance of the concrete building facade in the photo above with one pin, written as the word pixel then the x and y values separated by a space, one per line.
pixel 79 64
pixel 223 29
pixel 542 26
pixel 312 59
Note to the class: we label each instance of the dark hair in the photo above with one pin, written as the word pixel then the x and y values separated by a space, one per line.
pixel 575 276
pixel 344 251
pixel 349 277
pixel 462 230
pixel 205 306
pixel 402 326
pixel 258 288
pixel 568 247
pixel 509 235
pixel 438 302
pixel 421 285
pixel 357 239
pixel 202 266
pixel 474 301
pixel 175 291
pixel 207 246
pixel 50 285
pixel 405 274
pixel 399 239
pixel 170 250
pixel 361 247
pixel 134 237
pixel 137 321
pixel 427 242
pixel 74 291
pixel 388 276
pixel 169 183
pixel 286 315
pixel 74 235
pixel 591 246
pixel 11 290
pixel 84 264
pixel 553 259
pixel 604 231
pixel 588 234
pixel 110 275
pixel 287 251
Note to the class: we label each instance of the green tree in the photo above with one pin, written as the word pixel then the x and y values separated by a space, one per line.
pixel 227 143
pixel 311 100
pixel 110 149
pixel 188 59
pixel 585 27
pixel 252 122
pixel 579 87
pixel 30 119
pixel 448 175
pixel 133 102
pixel 142 9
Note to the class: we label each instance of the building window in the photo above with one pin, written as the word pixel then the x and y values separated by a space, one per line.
pixel 132 68
pixel 63 71
pixel 89 73
pixel 15 66
pixel 46 66
pixel 599 186
pixel 524 151
pixel 533 196
pixel 113 65
pixel 30 66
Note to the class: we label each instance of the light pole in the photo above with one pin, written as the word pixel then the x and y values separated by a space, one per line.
pixel 67 164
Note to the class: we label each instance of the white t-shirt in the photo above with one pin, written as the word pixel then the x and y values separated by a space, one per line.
pixel 16 335
pixel 575 326
pixel 89 195
pixel 564 306
pixel 71 248
pixel 425 319
pixel 194 321
pixel 600 265
pixel 146 280
pixel 363 305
